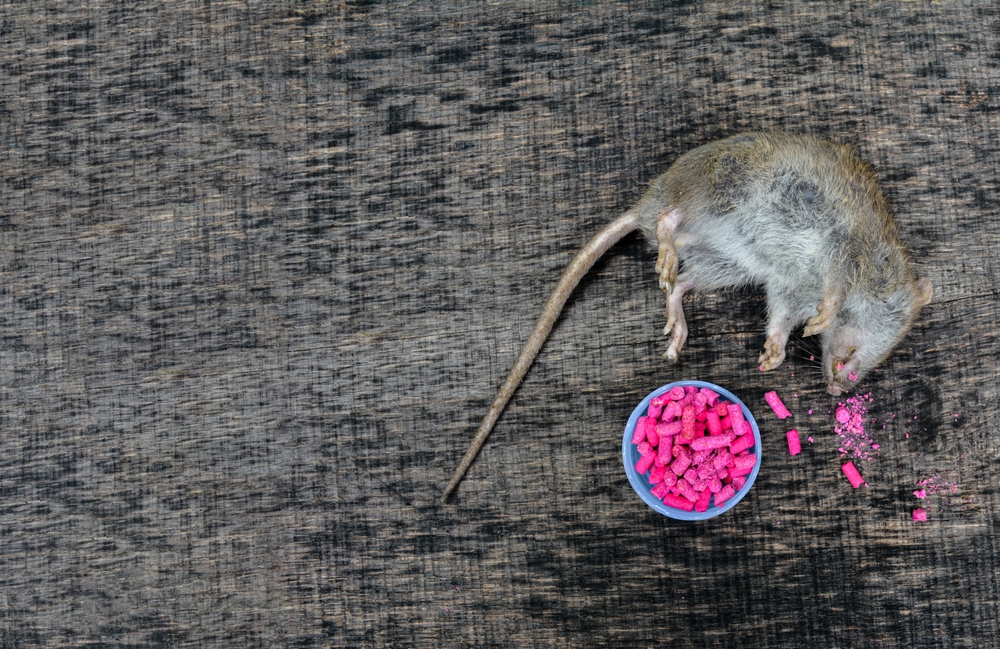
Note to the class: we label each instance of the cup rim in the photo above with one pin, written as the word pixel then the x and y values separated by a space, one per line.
pixel 640 484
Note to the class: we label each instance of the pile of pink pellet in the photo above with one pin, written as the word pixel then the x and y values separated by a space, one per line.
pixel 696 448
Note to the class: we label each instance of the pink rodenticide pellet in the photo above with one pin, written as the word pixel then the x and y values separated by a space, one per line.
pixel 743 464
pixel 919 514
pixel 680 465
pixel 660 489
pixel 711 396
pixel 644 463
pixel 711 443
pixel 724 494
pixel 701 505
pixel 735 412
pixel 742 443
pixel 739 481
pixel 676 393
pixel 641 425
pixel 794 446
pixel 852 474
pixel 671 411
pixel 843 415
pixel 713 422
pixel 706 471
pixel 669 429
pixel 685 489
pixel 776 404
pixel 721 459
pixel 654 410
pixel 656 474
pixel 678 502
pixel 687 422
pixel 663 454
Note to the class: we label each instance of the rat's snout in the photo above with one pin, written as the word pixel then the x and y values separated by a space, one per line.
pixel 841 372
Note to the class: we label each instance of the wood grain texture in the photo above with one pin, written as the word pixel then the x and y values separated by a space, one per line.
pixel 263 265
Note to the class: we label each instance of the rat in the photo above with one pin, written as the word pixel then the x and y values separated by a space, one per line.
pixel 801 216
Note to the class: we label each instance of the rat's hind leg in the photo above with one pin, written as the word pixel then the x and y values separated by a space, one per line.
pixel 666 257
pixel 675 317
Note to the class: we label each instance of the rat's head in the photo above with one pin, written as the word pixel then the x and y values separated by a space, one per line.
pixel 866 329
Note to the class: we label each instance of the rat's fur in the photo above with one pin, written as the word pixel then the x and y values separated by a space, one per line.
pixel 802 217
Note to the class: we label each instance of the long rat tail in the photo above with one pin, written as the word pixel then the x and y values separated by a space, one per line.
pixel 582 262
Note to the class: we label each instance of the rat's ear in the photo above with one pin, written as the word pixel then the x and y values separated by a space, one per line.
pixel 923 291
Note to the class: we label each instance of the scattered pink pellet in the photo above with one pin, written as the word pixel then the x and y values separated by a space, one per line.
pixel 843 415
pixel 852 474
pixel 919 514
pixel 920 493
pixel 794 446
pixel 776 404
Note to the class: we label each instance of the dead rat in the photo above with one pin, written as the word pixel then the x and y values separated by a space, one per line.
pixel 800 216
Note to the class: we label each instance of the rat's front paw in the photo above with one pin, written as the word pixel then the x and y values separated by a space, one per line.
pixel 772 357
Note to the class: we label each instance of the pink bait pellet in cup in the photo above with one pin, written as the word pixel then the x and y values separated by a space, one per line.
pixel 683 488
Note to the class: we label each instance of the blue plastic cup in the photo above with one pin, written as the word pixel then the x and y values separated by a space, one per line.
pixel 640 483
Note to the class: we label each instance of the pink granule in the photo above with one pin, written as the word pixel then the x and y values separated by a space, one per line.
pixel 933 485
pixel 856 441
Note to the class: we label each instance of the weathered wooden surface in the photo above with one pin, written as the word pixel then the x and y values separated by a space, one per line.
pixel 263 266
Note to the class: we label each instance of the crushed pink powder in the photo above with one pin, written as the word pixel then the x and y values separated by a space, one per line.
pixel 856 441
